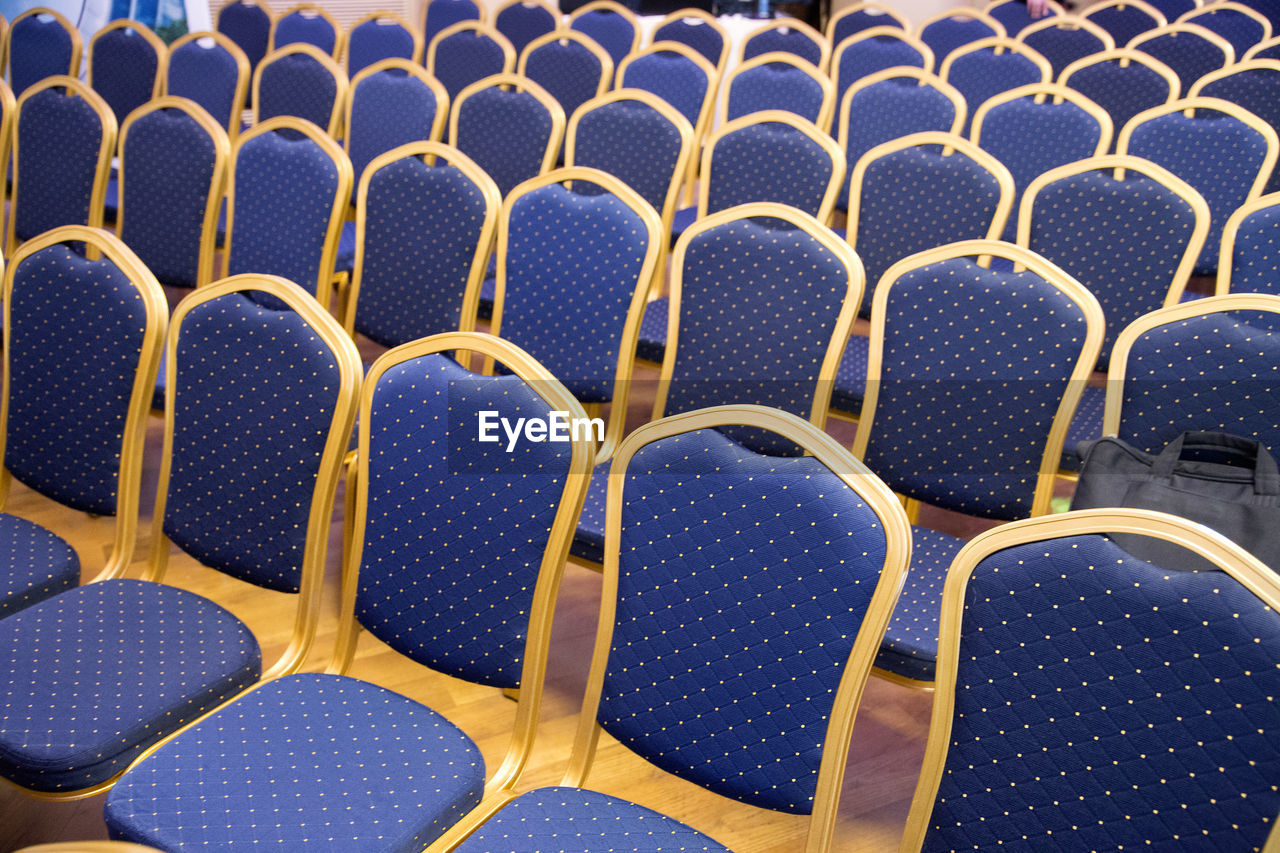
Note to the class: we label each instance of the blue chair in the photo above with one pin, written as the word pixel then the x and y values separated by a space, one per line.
pixel 1253 85
pixel 1238 24
pixel 509 126
pixel 1269 49
pixel 275 392
pixel 1124 20
pixel 1174 9
pixel 778 81
pixel 569 66
pixel 875 50
pixel 124 66
pixel 439 15
pixel 1249 260
pixel 1063 39
pixel 699 30
pixel 1048 694
pixel 430 773
pixel 1190 50
pixel 173 174
pixel 522 21
pixel 787 35
pixel 298 80
pixel 63 138
pixel 611 25
pixel 82 341
pixel 954 28
pixel 389 104
pixel 425 220
pixel 974 375
pixel 40 43
pixel 857 17
pixel 985 68
pixel 1124 82
pixel 211 70
pixel 1222 150
pixel 1014 15
pixel 781 727
pixel 249 26
pixel 466 53
pixel 306 23
pixel 378 36
pixel 1267 9
pixel 1014 126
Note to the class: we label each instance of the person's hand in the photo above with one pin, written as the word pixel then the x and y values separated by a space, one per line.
pixel 1038 8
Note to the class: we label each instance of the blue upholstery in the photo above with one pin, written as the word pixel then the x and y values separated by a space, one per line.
pixel 39 47
pixel 769 161
pixel 1272 51
pixel 695 33
pixel 422 235
pixel 607 28
pixel 672 77
pixel 243 509
pixel 1242 31
pixel 167 160
pixel 783 40
pixel 851 376
pixel 35 564
pixel 59 135
pixel 573 264
pixel 208 76
pixel 506 132
pixel 1173 9
pixel 1216 153
pixel 1123 91
pixel 1015 132
pixel 946 34
pixel 284 198
pixel 588 539
pixel 869 56
pixel 124 70
pixel 306 27
pixel 249 26
pixel 568 70
pixel 910 646
pixel 100 672
pixel 633 142
pixel 1014 16
pixel 375 40
pixel 980 74
pixel 1189 55
pixel 1258 91
pixel 442 14
pixel 465 57
pixel 522 23
pixel 388 109
pixel 775 86
pixel 1255 260
pixel 1122 23
pixel 1268 9
pixel 1063 45
pixel 863 19
pixel 1102 702
pixel 276 768
pixel 1086 425
pixel 296 84
pixel 653 328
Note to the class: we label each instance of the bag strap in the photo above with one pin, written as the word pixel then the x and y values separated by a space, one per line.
pixel 1266 476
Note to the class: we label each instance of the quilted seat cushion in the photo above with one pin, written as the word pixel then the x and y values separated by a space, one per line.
pixel 573 820
pixel 910 646
pixel 305 762
pixel 100 672
pixel 38 564
pixel 588 539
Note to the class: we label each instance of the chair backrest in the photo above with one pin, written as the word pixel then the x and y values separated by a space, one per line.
pixel 299 80
pixel 1015 16
pixel 425 221
pixel 610 24
pixel 63 139
pixel 290 187
pixel 124 66
pixel 778 81
pixel 306 23
pixel 873 50
pixel 570 66
pixel 787 35
pixel 1238 24
pixel 1269 49
pixel 248 24
pixel 1222 150
pixel 173 173
pixel 679 75
pixel 1014 125
pixel 857 17
pixel 82 343
pixel 1190 50
pixel 921 191
pixel 1210 364
pixel 1130 649
pixel 792 291
pixel 1124 20
pixel 509 126
pixel 275 392
pixel 467 52
pixel 699 30
pixel 41 43
pixel 439 15
pixel 549 235
pixel 1267 9
pixel 390 103
pixel 1124 82
pixel 638 138
pixel 378 36
pixel 953 28
pixel 973 377
pixel 1252 84
pixel 1128 230
pixel 985 68
pixel 1174 9
pixel 1063 39
pixel 8 114
pixel 1249 261
pixel 522 21
pixel 211 70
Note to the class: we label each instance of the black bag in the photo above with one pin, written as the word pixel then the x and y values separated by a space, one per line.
pixel 1239 499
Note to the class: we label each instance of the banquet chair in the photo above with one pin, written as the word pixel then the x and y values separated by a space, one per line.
pixel 378 36
pixel 1269 49
pixel 787 35
pixel 1063 39
pixel 611 25
pixel 874 50
pixel 466 53
pixel 248 24
pixel 778 81
pixel 41 43
pixel 953 28
pixel 211 70
pixel 306 23
pixel 1015 16
pixel 1174 9
pixel 509 126
pixel 699 30
pixel 1124 20
pixel 298 80
pixel 985 68
pixel 1248 261
pixel 522 21
pixel 1238 24
pixel 1124 82
pixel 1189 50
pixel 857 17
pixel 569 66
pixel 439 15
pixel 1252 84
pixel 390 103
pixel 124 66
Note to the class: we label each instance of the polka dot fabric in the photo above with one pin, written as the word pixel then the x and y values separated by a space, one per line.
pixel 255 390
pixel 34 564
pixel 862 19
pixel 769 161
pixel 851 377
pixel 1103 703
pixel 1255 254
pixel 58 137
pixel 296 84
pixel 1122 23
pixel 1013 16
pixel 948 34
pixel 633 142
pixel 569 72
pixel 207 76
pixel 388 109
pixel 910 645
pixel 1086 425
pixel 309 29
pixel 1242 31
pixel 376 40
pixel 779 40
pixel 312 761
pixel 1064 45
pixel 869 56
pixel 522 23
pixel 249 26
pixel 100 672
pixel 981 74
pixel 588 539
pixel 1258 91
pixel 775 86
pixel 506 133
pixel 124 70
pixel 672 77
pixel 1190 56
pixel 442 14
pixel 607 28
pixel 39 47
pixel 696 34
pixel 465 57
pixel 1122 90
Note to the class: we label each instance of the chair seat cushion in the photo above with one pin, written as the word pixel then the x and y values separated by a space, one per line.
pixel 851 376
pixel 588 540
pixel 345 259
pixel 910 646
pixel 575 820
pixel 100 672
pixel 653 330
pixel 681 220
pixel 38 564
pixel 488 288
pixel 304 762
pixel 1086 425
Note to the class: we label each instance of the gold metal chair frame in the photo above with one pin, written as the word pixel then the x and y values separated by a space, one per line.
pixel 1068 22
pixel 1229 557
pixel 89 847
pixel 1141 5
pixel 77 41
pixel 485 19
pixel 1042 92
pixel 922 78
pixel 705 19
pixel 874 8
pixel 4 44
pixel 381 16
pixel 106 148
pixel 217 181
pixel 563 36
pixel 998 46
pixel 615 8
pixel 819 40
pixel 1228 52
pixel 825 111
pixel 340 82
pixel 148 36
pixel 1252 53
pixel 8 114
pixel 307 10
pixel 519 84
pixel 1190 15
pixel 965 13
pixel 242 80
pixel 261 4
pixel 1231 230
pixel 1055 8
pixel 410 68
pixel 850 43
pixel 848 696
pixel 480 28
pixel 1125 56
pixel 543 4
pixel 1231 70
